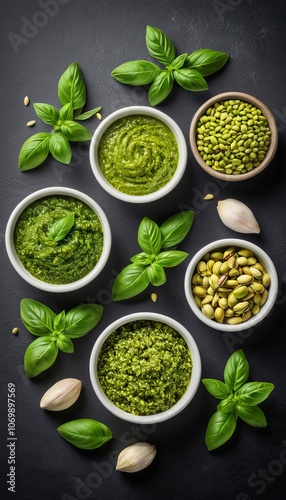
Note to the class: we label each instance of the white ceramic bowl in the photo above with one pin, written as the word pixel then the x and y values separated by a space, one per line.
pixel 263 258
pixel 17 264
pixel 185 399
pixel 125 112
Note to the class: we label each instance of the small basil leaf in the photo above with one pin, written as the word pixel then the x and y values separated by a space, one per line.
pixel 236 370
pixel 47 113
pixel 149 236
pixel 156 274
pixel 71 87
pixel 61 227
pixel 66 112
pixel 59 322
pixel 160 88
pixel 75 131
pixel 132 280
pixel 136 72
pixel 85 433
pixel 40 355
pixel 190 79
pixel 60 148
pixel 220 428
pixel 34 151
pixel 82 319
pixel 178 62
pixel 65 344
pixel 206 61
pixel 36 317
pixel 226 405
pixel 254 393
pixel 142 258
pixel 176 228
pixel 159 46
pixel 252 415
pixel 217 388
pixel 171 258
pixel 88 114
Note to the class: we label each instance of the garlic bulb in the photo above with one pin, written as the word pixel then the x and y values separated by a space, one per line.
pixel 61 395
pixel 136 457
pixel 237 216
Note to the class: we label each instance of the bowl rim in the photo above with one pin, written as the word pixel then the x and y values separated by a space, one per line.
pixel 143 110
pixel 17 264
pixel 266 262
pixel 183 401
pixel 271 122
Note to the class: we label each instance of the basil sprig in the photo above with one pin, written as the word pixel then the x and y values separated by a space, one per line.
pixel 54 331
pixel 239 398
pixel 148 266
pixel 85 433
pixel 66 129
pixel 61 228
pixel 188 70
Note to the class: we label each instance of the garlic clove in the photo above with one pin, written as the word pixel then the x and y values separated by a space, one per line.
pixel 237 216
pixel 61 395
pixel 136 457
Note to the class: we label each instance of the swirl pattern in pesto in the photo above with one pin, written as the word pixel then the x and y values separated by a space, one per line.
pixel 138 155
pixel 64 261
pixel 144 367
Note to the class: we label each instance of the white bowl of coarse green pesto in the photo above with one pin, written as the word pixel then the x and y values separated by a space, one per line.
pixel 153 361
pixel 138 154
pixel 77 258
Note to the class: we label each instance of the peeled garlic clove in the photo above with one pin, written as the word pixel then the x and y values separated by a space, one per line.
pixel 136 457
pixel 61 395
pixel 237 216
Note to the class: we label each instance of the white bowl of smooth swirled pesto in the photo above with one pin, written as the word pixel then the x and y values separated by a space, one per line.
pixel 58 239
pixel 231 285
pixel 145 368
pixel 138 154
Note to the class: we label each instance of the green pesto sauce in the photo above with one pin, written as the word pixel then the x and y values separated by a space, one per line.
pixel 64 261
pixel 144 367
pixel 138 154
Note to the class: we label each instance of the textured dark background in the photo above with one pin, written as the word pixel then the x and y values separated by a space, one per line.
pixel 100 35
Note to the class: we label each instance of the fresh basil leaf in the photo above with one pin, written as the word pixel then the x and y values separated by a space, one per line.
pixel 85 433
pixel 190 79
pixel 252 415
pixel 206 61
pixel 66 112
pixel 178 62
pixel 159 46
pixel 171 258
pixel 254 393
pixel 60 148
pixel 142 258
pixel 65 344
pixel 47 113
pixel 71 87
pixel 136 72
pixel 88 114
pixel 40 355
pixel 59 322
pixel 82 319
pixel 176 228
pixel 220 428
pixel 61 228
pixel 217 388
pixel 236 370
pixel 75 131
pixel 160 88
pixel 149 236
pixel 36 317
pixel 226 405
pixel 156 274
pixel 132 280
pixel 34 151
